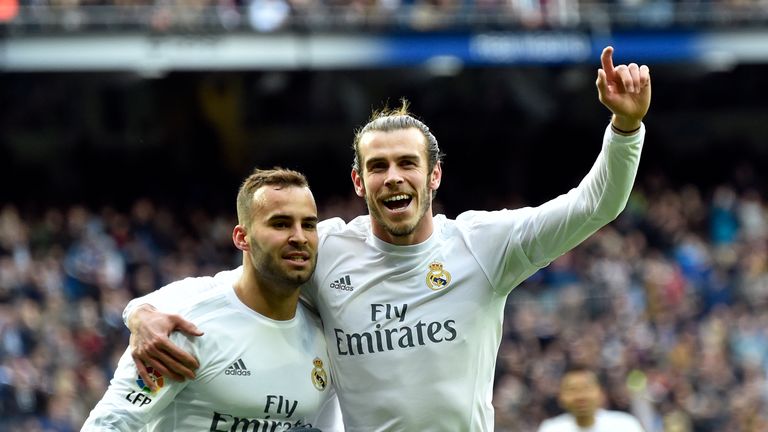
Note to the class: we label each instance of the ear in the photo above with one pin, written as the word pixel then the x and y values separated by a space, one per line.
pixel 436 176
pixel 357 181
pixel 240 238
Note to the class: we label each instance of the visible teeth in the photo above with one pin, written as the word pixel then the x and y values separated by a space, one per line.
pixel 397 198
pixel 296 258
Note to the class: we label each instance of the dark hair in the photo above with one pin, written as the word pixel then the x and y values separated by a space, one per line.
pixel 387 120
pixel 581 368
pixel 274 177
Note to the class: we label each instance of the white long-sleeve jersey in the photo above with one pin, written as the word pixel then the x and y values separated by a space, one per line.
pixel 413 331
pixel 256 374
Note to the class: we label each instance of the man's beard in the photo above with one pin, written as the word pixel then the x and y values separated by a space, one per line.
pixel 401 230
pixel 268 268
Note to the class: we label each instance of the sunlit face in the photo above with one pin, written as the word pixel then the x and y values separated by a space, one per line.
pixel 397 184
pixel 282 235
pixel 580 394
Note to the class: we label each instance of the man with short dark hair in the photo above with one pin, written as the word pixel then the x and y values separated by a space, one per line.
pixel 582 398
pixel 263 362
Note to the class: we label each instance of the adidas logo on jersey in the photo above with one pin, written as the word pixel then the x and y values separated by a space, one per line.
pixel 343 284
pixel 237 368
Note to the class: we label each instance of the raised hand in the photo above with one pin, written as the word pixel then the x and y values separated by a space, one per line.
pixel 151 346
pixel 625 90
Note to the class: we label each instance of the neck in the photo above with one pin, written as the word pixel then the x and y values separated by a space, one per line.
pixel 420 234
pixel 275 302
pixel 585 421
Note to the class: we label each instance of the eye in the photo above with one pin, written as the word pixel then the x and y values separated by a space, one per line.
pixel 280 224
pixel 311 226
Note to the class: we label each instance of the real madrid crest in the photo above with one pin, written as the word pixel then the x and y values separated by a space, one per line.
pixel 437 277
pixel 319 377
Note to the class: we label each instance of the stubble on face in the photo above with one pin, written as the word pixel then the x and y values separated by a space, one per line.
pixel 269 267
pixel 401 229
pixel 392 163
pixel 267 258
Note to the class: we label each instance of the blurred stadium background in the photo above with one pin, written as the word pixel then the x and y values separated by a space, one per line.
pixel 126 126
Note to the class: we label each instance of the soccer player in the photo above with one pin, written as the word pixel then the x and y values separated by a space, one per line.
pixel 263 362
pixel 412 303
pixel 581 396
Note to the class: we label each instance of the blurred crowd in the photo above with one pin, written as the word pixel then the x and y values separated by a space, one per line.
pixel 668 304
pixel 353 15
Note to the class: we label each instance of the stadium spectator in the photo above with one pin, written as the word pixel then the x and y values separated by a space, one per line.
pixel 168 16
pixel 581 396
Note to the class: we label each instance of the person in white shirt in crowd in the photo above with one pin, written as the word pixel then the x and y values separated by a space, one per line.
pixel 412 303
pixel 263 361
pixel 582 398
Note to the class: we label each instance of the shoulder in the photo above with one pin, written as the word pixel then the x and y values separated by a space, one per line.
pixel 619 419
pixel 226 276
pixel 557 423
pixel 357 227
pixel 502 220
pixel 482 216
pixel 213 312
pixel 201 284
pixel 201 306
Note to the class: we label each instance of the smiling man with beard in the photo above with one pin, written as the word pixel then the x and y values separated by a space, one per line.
pixel 412 303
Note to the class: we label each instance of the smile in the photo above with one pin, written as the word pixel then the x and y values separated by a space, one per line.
pixel 397 202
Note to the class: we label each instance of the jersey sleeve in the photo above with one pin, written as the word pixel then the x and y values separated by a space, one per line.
pixel 128 405
pixel 171 298
pixel 512 244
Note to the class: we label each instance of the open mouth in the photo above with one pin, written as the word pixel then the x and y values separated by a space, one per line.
pixel 397 202
pixel 297 257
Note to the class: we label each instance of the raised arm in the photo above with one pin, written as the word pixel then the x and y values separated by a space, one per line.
pixel 533 237
pixel 562 223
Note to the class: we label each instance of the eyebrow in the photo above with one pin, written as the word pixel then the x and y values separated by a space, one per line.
pixel 282 216
pixel 375 160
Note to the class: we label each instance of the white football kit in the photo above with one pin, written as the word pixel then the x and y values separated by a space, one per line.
pixel 413 331
pixel 256 374
pixel 605 421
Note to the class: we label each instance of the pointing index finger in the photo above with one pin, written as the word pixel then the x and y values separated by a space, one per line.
pixel 606 58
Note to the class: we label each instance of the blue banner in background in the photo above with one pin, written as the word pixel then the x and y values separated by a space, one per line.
pixel 668 47
pixel 536 48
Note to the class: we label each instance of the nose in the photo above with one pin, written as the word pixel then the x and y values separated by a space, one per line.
pixel 298 236
pixel 394 177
